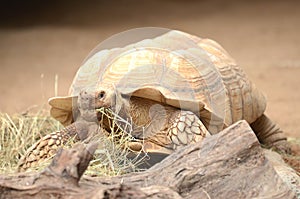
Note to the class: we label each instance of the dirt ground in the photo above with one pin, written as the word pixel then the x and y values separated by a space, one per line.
pixel 41 39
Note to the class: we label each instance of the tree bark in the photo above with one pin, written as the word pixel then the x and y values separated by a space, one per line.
pixel 230 164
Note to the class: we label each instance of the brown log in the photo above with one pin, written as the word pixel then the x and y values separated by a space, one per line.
pixel 230 164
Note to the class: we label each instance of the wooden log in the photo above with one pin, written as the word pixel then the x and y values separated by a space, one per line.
pixel 230 164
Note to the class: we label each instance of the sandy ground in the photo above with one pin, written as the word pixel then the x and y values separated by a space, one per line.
pixel 41 39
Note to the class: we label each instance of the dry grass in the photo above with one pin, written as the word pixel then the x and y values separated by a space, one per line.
pixel 111 156
pixel 19 131
pixel 293 159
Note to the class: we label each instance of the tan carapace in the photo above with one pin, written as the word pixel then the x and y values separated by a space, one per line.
pixel 175 88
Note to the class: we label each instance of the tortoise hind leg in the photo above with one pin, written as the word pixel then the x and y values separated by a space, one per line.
pixel 270 134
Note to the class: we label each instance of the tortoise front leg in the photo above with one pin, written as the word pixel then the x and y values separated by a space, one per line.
pixel 186 128
pixel 168 131
pixel 270 134
pixel 171 130
pixel 47 146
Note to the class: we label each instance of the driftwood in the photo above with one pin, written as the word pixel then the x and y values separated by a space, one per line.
pixel 230 164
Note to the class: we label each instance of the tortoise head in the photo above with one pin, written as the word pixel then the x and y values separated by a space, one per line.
pixel 90 98
pixel 105 96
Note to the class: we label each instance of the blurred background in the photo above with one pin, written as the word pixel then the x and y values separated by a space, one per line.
pixel 41 41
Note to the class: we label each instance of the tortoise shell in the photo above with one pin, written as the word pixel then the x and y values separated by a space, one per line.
pixel 176 69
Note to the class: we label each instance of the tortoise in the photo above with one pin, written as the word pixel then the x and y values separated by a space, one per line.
pixel 175 88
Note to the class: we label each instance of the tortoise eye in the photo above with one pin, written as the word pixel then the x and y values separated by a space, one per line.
pixel 101 95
